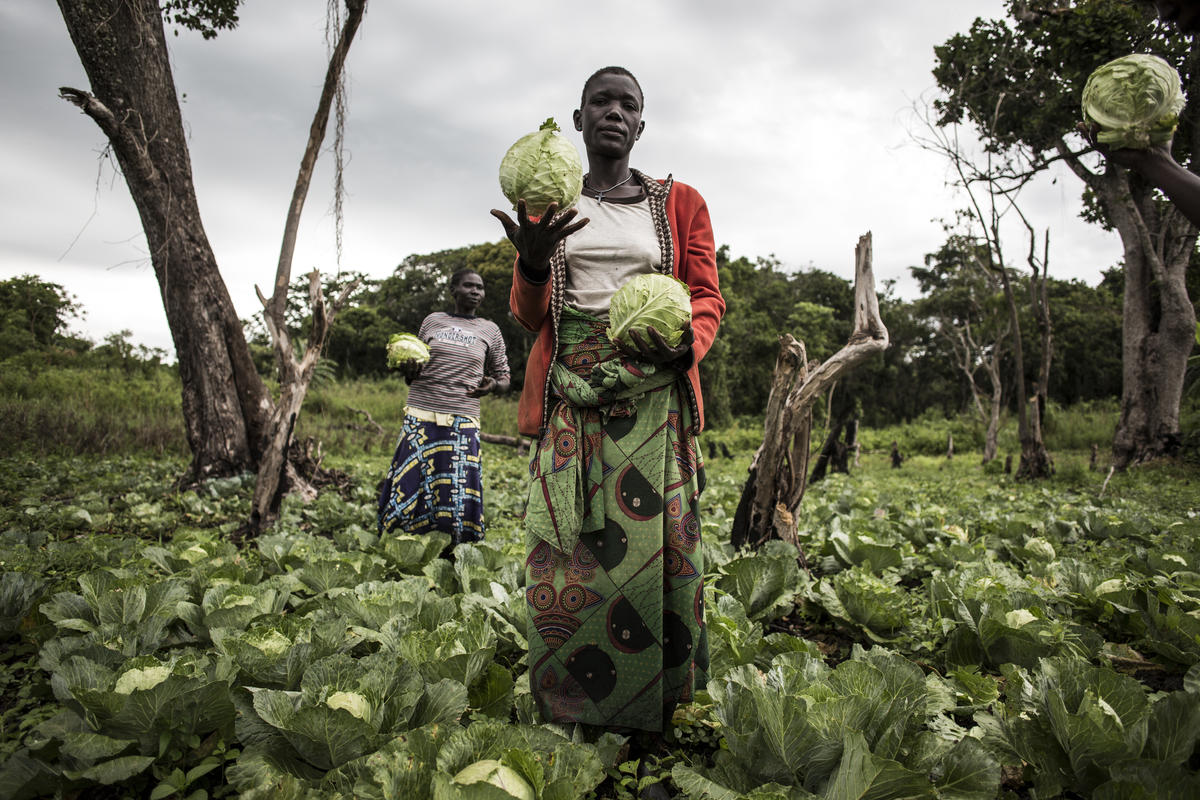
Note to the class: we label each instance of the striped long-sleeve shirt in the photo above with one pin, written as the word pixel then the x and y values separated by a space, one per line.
pixel 461 351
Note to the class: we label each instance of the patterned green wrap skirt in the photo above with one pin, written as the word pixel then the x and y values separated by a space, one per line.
pixel 614 584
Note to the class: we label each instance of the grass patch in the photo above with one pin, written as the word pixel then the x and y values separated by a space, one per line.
pixel 67 410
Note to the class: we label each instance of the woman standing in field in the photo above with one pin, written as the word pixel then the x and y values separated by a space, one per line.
pixel 434 483
pixel 614 588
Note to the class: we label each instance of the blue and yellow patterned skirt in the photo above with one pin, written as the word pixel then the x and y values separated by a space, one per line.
pixel 434 483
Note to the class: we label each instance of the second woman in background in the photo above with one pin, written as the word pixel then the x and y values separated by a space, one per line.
pixel 435 482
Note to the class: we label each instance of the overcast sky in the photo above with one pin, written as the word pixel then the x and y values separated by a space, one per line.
pixel 793 119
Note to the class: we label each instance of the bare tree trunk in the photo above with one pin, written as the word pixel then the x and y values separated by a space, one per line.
pixel 519 442
pixel 1035 461
pixel 122 47
pixel 777 481
pixel 991 439
pixel 1039 302
pixel 830 453
pixel 966 350
pixel 275 476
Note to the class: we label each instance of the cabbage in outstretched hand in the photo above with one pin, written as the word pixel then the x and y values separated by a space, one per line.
pixel 1135 100
pixel 542 168
pixel 650 300
pixel 404 348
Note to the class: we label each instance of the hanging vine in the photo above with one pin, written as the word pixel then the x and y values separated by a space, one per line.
pixel 333 24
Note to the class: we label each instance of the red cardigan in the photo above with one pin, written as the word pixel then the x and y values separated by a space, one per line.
pixel 685 232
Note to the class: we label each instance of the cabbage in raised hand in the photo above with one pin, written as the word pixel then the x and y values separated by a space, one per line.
pixel 542 168
pixel 650 300
pixel 1135 100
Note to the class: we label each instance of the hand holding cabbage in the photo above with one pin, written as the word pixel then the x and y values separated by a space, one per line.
pixel 540 174
pixel 650 318
pixel 1133 102
pixel 1131 107
pixel 407 353
pixel 543 169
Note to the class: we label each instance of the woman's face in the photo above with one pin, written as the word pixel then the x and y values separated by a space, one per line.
pixel 611 117
pixel 468 292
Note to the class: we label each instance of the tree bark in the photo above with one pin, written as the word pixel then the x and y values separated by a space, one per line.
pixel 1158 319
pixel 832 452
pixel 1035 461
pixel 133 100
pixel 1158 322
pixel 966 352
pixel 519 442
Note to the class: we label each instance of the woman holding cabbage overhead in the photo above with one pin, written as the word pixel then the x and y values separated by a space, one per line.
pixel 614 569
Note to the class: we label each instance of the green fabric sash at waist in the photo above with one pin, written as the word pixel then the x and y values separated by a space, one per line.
pixel 595 385
pixel 591 373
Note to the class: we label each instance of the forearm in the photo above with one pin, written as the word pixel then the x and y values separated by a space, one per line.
pixel 1179 184
pixel 699 272
pixel 529 301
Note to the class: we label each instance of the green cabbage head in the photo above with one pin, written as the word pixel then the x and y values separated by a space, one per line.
pixel 498 775
pixel 1135 100
pixel 542 168
pixel 404 348
pixel 353 702
pixel 649 300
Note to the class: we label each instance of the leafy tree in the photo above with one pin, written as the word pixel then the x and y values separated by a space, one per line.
pixel 1087 342
pixel 1019 83
pixel 914 375
pixel 761 303
pixel 34 314
pixel 421 283
pixel 206 17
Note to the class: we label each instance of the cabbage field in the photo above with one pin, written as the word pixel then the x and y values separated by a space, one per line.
pixel 959 635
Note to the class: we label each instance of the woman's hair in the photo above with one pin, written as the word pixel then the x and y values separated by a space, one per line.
pixel 458 275
pixel 610 71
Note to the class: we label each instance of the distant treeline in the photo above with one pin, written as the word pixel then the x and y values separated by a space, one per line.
pixel 916 376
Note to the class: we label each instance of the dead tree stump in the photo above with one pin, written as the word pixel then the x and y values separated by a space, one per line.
pixel 779 470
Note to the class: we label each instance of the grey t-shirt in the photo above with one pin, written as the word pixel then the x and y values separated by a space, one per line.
pixel 618 243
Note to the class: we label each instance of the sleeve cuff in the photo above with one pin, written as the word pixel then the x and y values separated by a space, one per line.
pixel 525 274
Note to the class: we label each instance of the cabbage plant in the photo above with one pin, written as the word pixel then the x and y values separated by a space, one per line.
pixel 650 300
pixel 404 348
pixel 493 772
pixel 1135 100
pixel 542 168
